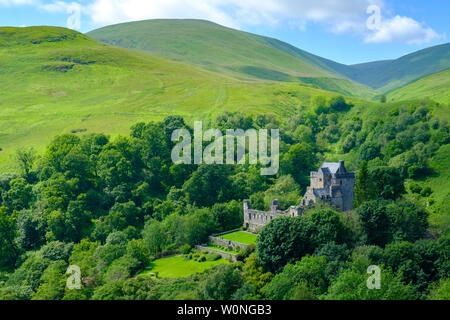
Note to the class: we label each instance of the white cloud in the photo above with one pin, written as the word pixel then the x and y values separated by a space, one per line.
pixel 104 12
pixel 55 7
pixel 335 13
pixel 337 16
pixel 15 2
pixel 404 30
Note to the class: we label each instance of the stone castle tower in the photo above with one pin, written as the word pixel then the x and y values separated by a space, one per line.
pixel 332 183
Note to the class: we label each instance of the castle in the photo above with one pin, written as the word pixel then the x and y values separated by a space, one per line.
pixel 332 184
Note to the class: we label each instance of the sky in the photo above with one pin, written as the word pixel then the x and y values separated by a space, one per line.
pixel 346 31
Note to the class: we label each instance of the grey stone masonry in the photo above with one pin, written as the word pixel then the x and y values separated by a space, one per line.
pixel 226 243
pixel 255 219
pixel 332 184
pixel 225 255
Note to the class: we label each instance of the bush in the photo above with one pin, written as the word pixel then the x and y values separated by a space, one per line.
pixel 185 249
pixel 415 188
pixel 212 256
pixel 245 252
pixel 426 192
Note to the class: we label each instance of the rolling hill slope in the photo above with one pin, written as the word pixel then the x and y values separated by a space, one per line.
pixel 435 86
pixel 227 51
pixel 55 80
pixel 391 74
pixel 249 56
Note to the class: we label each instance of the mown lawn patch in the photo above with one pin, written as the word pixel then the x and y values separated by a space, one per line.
pixel 241 237
pixel 179 266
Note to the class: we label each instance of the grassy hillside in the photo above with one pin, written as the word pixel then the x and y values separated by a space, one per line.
pixel 55 80
pixel 435 86
pixel 390 74
pixel 227 51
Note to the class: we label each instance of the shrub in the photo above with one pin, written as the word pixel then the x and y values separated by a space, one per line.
pixel 185 249
pixel 426 192
pixel 213 256
pixel 415 188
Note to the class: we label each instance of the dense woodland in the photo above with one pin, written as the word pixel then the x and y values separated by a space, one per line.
pixel 110 206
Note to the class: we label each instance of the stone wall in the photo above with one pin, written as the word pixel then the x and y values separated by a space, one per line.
pixel 226 243
pixel 256 219
pixel 225 255
pixel 332 184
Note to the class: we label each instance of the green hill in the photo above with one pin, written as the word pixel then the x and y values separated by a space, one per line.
pixel 390 74
pixel 55 80
pixel 231 52
pixel 435 86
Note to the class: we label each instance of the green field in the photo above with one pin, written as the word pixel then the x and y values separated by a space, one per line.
pixel 55 81
pixel 248 56
pixel 390 74
pixel 177 267
pixel 439 183
pixel 435 86
pixel 241 237
pixel 235 53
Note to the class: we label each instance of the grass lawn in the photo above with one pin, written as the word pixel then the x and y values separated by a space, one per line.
pixel 70 83
pixel 177 267
pixel 241 237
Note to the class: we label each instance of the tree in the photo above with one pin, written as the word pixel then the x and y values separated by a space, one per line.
pixel 129 211
pixel 52 282
pixel 419 263
pixel 154 236
pixel 18 196
pixel 71 225
pixel 57 250
pixel 8 248
pixel 387 182
pixel 351 285
pixel 362 187
pixel 220 283
pixel 320 104
pixel 208 185
pixel 338 103
pixel 228 216
pixel 26 159
pixel 31 227
pixel 298 162
pixel 309 273
pixel 254 274
pixel 383 98
pixel 440 290
pixel 368 151
pixel 385 221
pixel 136 249
pixel 328 226
pixel 58 149
pixel 284 240
pixel 285 190
pixel 304 134
pixel 30 272
pixel 375 221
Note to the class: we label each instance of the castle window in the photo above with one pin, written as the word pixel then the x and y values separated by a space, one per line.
pixel 320 179
pixel 340 181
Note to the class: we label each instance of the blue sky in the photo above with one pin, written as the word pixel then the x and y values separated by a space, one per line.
pixel 334 29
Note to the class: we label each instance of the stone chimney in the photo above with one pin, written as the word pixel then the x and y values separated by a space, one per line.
pixel 341 167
